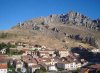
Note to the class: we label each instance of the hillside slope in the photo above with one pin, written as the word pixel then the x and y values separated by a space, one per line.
pixel 53 31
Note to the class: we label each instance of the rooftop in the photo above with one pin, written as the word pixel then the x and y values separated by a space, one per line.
pixel 3 65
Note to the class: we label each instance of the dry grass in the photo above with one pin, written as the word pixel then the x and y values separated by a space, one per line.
pixel 52 40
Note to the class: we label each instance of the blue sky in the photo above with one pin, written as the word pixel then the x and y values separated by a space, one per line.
pixel 14 11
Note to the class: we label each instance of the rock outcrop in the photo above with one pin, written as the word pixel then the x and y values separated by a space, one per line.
pixel 71 18
pixel 76 18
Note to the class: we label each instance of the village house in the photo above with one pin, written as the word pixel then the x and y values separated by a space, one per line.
pixel 21 45
pixel 49 51
pixel 3 67
pixel 32 53
pixel 63 52
pixel 43 47
pixel 12 42
pixel 51 68
pixel 19 64
pixel 3 51
pixel 95 50
pixel 43 57
pixel 54 61
pixel 33 68
pixel 3 64
pixel 70 63
pixel 30 62
pixel 26 51
pixel 46 61
pixel 38 47
pixel 40 53
pixel 26 57
pixel 44 54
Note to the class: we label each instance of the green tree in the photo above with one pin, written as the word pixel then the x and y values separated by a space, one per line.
pixel 19 70
pixel 8 47
pixel 43 69
pixel 2 45
pixel 11 68
pixel 57 53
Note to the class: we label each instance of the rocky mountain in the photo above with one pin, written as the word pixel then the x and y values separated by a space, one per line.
pixel 71 18
pixel 54 30
pixel 97 22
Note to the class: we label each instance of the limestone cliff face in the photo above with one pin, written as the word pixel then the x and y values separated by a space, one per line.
pixel 97 22
pixel 71 18
pixel 76 18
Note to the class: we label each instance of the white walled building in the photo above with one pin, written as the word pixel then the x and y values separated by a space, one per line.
pixel 63 53
pixel 3 67
pixel 19 64
pixel 95 50
pixel 33 68
pixel 52 68
pixel 69 66
pixel 3 51
pixel 71 62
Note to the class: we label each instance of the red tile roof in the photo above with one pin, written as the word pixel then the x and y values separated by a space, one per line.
pixel 3 65
pixel 43 60
pixel 33 60
pixel 3 58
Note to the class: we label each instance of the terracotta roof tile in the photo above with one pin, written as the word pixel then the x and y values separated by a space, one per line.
pixel 3 65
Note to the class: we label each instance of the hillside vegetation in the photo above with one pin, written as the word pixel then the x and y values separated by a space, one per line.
pixel 54 31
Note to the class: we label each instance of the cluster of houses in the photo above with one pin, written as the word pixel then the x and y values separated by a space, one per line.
pixel 37 56
pixel 51 60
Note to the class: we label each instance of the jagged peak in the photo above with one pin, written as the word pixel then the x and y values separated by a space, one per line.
pixel 72 17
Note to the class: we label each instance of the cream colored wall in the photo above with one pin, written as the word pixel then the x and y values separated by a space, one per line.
pixel 3 70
